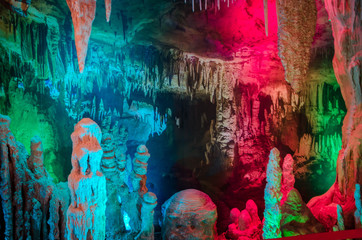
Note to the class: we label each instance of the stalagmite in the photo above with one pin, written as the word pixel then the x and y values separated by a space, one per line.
pixel 86 214
pixel 108 4
pixel 182 213
pixel 83 13
pixel 272 196
pixel 149 202
pixel 36 159
pixel 296 28
pixel 139 165
pixel 108 159
pixel 288 176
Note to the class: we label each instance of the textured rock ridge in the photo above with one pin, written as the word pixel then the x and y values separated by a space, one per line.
pixel 32 205
pixel 347 31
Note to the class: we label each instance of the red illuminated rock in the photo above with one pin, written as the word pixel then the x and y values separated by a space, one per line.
pixel 139 165
pixel 36 159
pixel 245 224
pixel 347 31
pixel 189 214
pixel 86 214
pixel 288 176
pixel 83 13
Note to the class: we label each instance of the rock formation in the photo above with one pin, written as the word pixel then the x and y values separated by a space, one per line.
pixel 139 167
pixel 83 13
pixel 297 219
pixel 108 4
pixel 358 203
pixel 32 205
pixel 245 224
pixel 18 6
pixel 272 196
pixel 109 165
pixel 288 176
pixel 346 26
pixel 36 159
pixel 86 214
pixel 189 214
pixel 296 28
pixel 149 202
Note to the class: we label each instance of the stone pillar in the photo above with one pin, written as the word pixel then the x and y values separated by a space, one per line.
pixel 139 165
pixel 149 202
pixel 86 213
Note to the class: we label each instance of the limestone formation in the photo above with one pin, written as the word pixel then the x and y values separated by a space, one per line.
pixel 346 26
pixel 108 4
pixel 358 203
pixel 86 213
pixel 32 205
pixel 83 13
pixel 18 6
pixel 139 166
pixel 297 219
pixel 245 224
pixel 189 214
pixel 296 28
pixel 149 202
pixel 108 164
pixel 288 176
pixel 36 159
pixel 272 196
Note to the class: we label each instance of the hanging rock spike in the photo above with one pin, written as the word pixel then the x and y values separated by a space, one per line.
pixel 266 16
pixel 83 13
pixel 108 8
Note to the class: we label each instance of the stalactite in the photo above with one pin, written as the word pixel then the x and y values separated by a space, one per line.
pixel 83 13
pixel 296 28
pixel 266 16
pixel 108 4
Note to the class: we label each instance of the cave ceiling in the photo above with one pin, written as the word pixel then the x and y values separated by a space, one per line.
pixel 172 24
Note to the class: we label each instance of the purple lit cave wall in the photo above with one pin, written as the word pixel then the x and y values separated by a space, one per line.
pixel 180 119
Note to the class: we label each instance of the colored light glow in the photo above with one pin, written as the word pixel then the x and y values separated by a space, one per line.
pixel 126 220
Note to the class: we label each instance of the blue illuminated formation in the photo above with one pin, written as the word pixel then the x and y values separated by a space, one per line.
pixel 126 220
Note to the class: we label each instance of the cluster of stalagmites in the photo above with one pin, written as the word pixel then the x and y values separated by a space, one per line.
pixel 96 200
pixel 245 224
pixel 31 203
pixel 285 212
